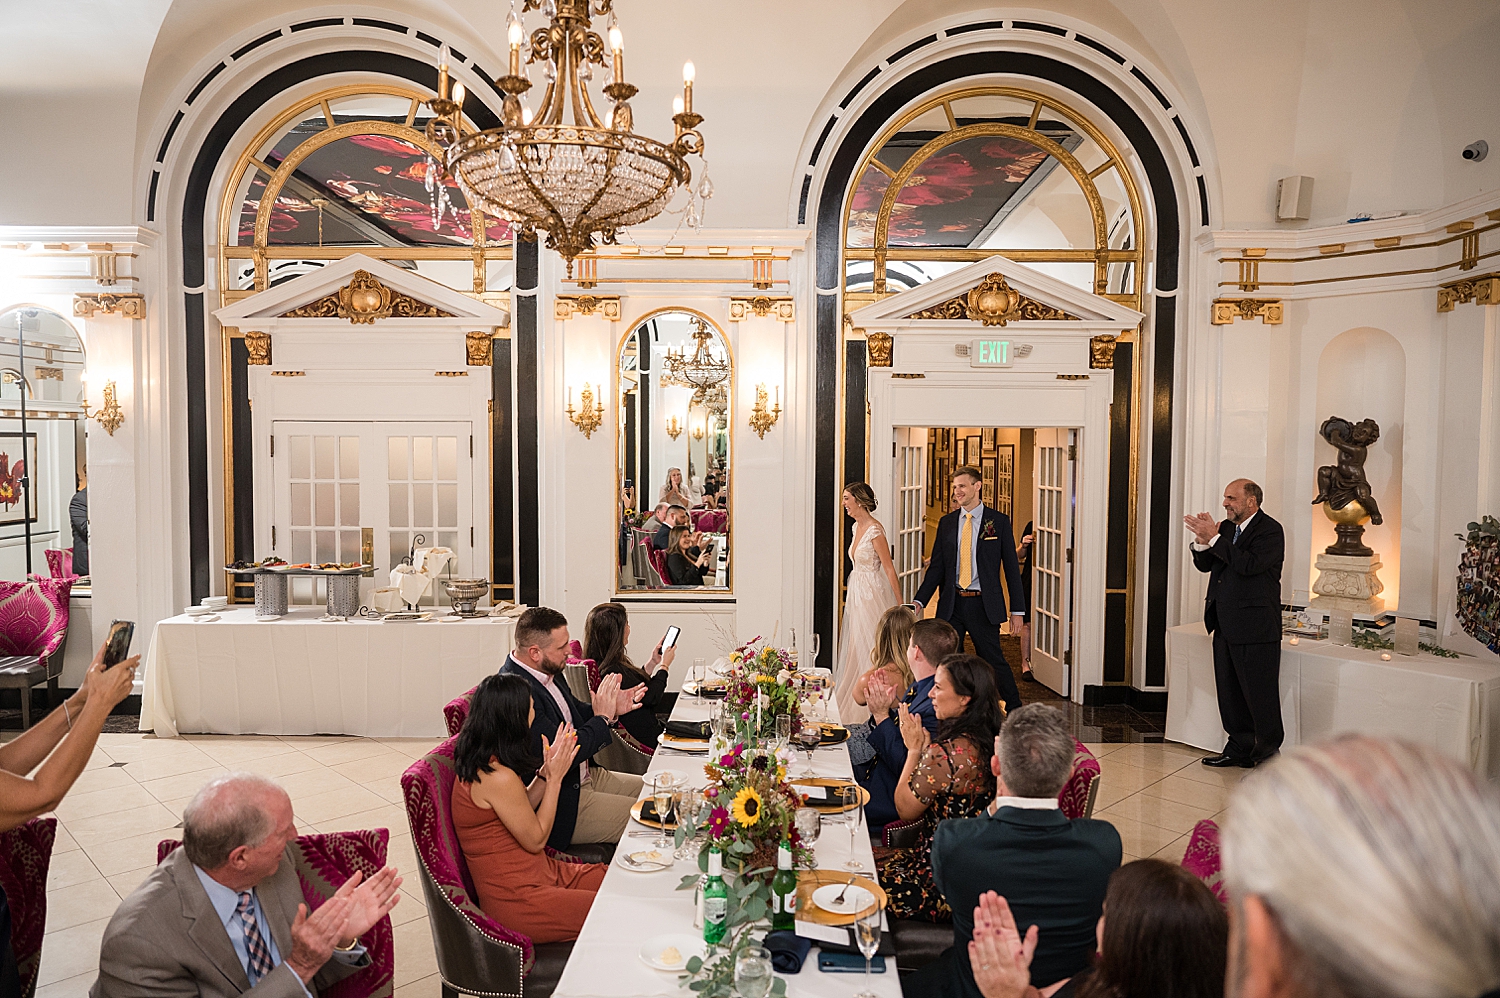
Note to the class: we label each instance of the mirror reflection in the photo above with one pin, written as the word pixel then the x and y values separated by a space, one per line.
pixel 676 382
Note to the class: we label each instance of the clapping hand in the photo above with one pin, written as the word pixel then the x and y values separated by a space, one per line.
pixel 880 697
pixel 314 936
pixel 607 697
pixel 1204 527
pixel 557 756
pixel 998 956
pixel 369 902
pixel 628 700
pixel 913 734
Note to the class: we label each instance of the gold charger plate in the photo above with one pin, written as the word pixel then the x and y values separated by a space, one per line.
pixel 835 806
pixel 635 812
pixel 810 880
pixel 684 744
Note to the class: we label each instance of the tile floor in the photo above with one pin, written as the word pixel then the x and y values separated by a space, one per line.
pixel 136 785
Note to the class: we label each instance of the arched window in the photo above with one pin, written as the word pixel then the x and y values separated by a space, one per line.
pixel 989 170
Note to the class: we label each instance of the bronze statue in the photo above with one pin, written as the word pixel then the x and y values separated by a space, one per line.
pixel 1343 489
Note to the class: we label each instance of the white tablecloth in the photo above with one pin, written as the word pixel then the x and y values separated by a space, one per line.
pixel 632 907
pixel 302 676
pixel 1452 704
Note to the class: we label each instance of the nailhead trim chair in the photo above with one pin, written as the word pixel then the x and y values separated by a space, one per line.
pixel 323 863
pixel 25 856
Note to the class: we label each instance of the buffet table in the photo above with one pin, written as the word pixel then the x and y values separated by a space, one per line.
pixel 299 675
pixel 631 906
pixel 1452 704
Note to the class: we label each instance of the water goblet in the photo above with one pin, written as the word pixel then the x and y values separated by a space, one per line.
pixel 854 810
pixel 809 822
pixel 753 973
pixel 867 934
pixel 688 808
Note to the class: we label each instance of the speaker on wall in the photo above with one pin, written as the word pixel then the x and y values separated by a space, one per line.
pixel 1293 198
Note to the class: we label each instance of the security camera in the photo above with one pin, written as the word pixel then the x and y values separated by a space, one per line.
pixel 1476 151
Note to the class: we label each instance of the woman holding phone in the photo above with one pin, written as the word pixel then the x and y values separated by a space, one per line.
pixel 606 633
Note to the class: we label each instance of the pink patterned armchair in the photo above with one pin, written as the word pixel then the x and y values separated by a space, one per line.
pixel 323 863
pixel 25 856
pixel 1202 857
pixel 33 633
pixel 476 955
pixel 60 563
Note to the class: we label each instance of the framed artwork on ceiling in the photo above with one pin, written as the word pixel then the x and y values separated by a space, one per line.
pixel 17 460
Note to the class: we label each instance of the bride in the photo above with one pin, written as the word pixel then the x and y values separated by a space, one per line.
pixel 872 589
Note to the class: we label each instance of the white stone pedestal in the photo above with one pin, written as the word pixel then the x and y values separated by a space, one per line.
pixel 1349 582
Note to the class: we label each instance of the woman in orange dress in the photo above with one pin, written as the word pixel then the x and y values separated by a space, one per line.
pixel 503 804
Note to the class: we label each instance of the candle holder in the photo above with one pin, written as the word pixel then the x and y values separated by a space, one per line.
pixel 590 415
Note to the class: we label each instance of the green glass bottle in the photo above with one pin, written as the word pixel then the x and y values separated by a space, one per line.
pixel 715 899
pixel 784 890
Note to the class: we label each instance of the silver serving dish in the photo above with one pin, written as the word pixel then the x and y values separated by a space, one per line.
pixel 465 594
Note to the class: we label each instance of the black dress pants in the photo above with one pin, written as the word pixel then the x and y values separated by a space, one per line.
pixel 1247 680
pixel 969 616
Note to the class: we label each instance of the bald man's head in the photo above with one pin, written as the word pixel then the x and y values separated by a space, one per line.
pixel 233 811
pixel 1242 499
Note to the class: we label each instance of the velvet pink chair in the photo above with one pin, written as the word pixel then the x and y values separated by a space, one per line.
pixel 323 863
pixel 60 563
pixel 33 635
pixel 476 955
pixel 25 856
pixel 1202 857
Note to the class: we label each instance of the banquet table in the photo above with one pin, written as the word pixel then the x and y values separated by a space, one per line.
pixel 1451 704
pixel 632 907
pixel 299 675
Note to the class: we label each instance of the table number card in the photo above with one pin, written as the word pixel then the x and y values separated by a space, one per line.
pixel 1340 626
pixel 1407 631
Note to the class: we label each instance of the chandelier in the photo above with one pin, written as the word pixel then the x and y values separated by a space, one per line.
pixel 702 372
pixel 574 178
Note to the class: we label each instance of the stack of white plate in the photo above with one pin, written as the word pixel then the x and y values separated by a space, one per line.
pixel 216 603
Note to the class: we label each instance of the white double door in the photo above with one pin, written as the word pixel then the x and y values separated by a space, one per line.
pixel 1053 477
pixel 412 482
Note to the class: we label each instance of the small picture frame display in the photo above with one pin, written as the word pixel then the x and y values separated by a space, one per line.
pixel 17 460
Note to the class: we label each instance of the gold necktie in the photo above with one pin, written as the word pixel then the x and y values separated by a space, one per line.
pixel 966 553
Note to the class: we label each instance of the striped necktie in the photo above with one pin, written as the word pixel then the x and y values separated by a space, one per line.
pixel 1237 528
pixel 258 964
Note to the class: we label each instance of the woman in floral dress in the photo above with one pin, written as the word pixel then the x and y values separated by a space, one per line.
pixel 946 778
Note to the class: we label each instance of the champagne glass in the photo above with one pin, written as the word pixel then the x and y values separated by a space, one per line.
pixel 867 934
pixel 700 675
pixel 661 797
pixel 753 973
pixel 783 731
pixel 812 646
pixel 809 822
pixel 852 807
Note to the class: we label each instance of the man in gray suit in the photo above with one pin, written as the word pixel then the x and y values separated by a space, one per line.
pixel 223 915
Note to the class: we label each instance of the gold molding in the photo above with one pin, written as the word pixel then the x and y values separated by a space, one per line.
pixel 1481 290
pixel 779 307
pixel 1102 352
pixel 49 373
pixel 992 302
pixel 131 306
pixel 881 349
pixel 363 300
pixel 1073 377
pixel 478 348
pixel 288 374
pixel 258 345
pixel 1226 310
pixel 567 306
pixel 450 374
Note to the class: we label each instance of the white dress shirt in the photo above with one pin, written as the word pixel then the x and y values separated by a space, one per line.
pixel 562 705
pixel 1025 803
pixel 1242 528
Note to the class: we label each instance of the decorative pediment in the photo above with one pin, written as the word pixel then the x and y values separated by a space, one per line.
pixel 365 299
pixel 992 302
pixel 363 292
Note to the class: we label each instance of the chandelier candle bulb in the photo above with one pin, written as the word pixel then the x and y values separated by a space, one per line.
pixel 515 34
pixel 443 72
pixel 677 105
pixel 617 46
pixel 689 73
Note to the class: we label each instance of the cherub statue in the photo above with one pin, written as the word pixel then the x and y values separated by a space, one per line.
pixel 1345 482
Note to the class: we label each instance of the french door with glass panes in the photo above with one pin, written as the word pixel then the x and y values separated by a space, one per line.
pixel 1052 558
pixel 412 483
pixel 909 479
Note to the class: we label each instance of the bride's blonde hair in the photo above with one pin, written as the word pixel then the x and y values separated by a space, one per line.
pixel 892 636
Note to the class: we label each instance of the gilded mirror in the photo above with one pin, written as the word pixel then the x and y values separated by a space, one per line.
pixel 676 383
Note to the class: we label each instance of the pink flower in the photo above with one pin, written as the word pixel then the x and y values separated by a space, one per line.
pixel 728 760
pixel 711 792
pixel 718 821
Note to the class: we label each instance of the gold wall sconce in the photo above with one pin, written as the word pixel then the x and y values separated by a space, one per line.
pixel 674 428
pixel 590 414
pixel 761 418
pixel 698 433
pixel 109 415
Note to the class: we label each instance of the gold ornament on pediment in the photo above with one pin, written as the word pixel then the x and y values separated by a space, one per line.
pixel 1484 290
pixel 1102 351
pixel 1226 310
pixel 258 345
pixel 880 349
pixel 566 306
pixel 479 348
pixel 364 299
pixel 994 303
pixel 130 306
pixel 762 306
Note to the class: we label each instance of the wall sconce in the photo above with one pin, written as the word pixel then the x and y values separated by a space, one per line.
pixel 590 415
pixel 762 419
pixel 674 428
pixel 109 415
pixel 698 432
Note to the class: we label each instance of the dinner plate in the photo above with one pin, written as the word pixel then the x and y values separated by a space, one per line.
pixel 684 744
pixel 834 734
pixel 856 898
pixel 708 691
pixel 649 822
pixel 268 616
pixel 405 617
pixel 645 860
pixel 686 946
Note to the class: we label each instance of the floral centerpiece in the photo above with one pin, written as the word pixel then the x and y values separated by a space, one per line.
pixel 761 684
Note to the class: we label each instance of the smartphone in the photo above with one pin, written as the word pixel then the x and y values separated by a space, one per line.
pixel 629 484
pixel 835 962
pixel 670 640
pixel 117 645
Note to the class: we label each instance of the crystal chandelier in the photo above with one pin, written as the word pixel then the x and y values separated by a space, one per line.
pixel 572 178
pixel 702 372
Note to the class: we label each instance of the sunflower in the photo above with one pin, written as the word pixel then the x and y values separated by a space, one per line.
pixel 747 805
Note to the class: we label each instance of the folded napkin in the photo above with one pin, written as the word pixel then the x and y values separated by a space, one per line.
pixel 648 813
pixel 788 950
pixel 687 729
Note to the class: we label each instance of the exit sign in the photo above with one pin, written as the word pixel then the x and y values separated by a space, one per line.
pixel 991 353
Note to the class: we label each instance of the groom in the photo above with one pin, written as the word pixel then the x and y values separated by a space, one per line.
pixel 972 543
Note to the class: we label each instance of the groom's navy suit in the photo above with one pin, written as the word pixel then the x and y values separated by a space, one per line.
pixel 980 612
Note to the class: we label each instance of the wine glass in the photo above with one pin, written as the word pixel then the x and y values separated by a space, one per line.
pixel 854 810
pixel 689 809
pixel 783 731
pixel 753 973
pixel 699 675
pixel 661 796
pixel 867 934
pixel 809 822
pixel 809 738
pixel 812 647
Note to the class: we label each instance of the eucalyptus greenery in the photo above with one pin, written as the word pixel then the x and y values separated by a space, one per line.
pixel 1487 526
pixel 1369 640
pixel 749 906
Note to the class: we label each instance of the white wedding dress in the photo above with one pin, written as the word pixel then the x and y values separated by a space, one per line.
pixel 867 596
